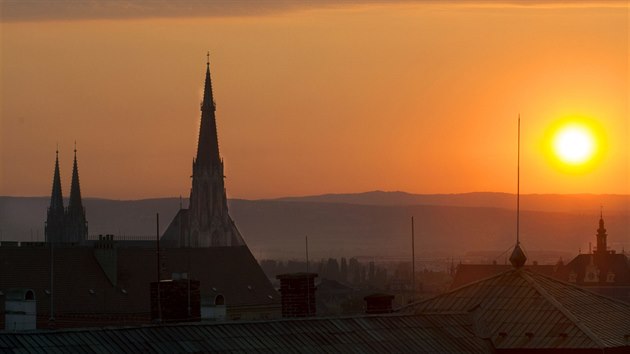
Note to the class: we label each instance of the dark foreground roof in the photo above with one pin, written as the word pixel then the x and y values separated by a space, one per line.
pixel 526 310
pixel 86 290
pixel 368 334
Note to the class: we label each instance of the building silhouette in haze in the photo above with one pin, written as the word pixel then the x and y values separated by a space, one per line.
pixel 206 223
pixel 66 225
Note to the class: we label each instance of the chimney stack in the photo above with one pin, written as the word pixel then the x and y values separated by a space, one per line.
pixel 179 300
pixel 378 303
pixel 298 294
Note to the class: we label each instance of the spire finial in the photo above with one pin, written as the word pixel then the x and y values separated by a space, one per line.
pixel 208 59
pixel 601 212
pixel 75 149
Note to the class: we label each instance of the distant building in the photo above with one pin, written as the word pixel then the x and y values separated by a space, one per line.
pixel 206 223
pixel 66 225
pixel 603 270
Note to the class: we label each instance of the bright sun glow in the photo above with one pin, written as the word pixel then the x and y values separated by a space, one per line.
pixel 574 144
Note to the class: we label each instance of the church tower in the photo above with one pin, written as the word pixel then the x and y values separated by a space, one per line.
pixel 54 228
pixel 602 246
pixel 209 223
pixel 75 222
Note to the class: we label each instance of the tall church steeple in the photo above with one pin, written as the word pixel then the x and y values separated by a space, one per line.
pixel 208 144
pixel 55 216
pixel 75 189
pixel 209 222
pixel 76 224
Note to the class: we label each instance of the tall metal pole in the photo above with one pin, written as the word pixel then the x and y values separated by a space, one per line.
pixel 307 254
pixel 518 181
pixel 159 302
pixel 52 282
pixel 308 283
pixel 413 261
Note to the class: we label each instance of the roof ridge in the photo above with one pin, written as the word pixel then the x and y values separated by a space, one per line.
pixel 558 305
pixel 410 305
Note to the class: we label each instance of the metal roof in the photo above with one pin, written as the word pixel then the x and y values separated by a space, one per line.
pixel 524 309
pixel 443 333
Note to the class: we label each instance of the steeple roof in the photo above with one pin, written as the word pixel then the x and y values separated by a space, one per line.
pixel 208 99
pixel 56 197
pixel 208 145
pixel 75 189
pixel 601 230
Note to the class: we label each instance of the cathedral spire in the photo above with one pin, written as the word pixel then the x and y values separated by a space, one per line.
pixel 208 145
pixel 75 222
pixel 56 198
pixel 75 188
pixel 209 223
pixel 55 216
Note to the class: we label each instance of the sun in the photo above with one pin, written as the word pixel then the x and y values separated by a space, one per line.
pixel 574 144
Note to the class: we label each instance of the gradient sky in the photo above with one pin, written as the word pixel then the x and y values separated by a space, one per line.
pixel 416 96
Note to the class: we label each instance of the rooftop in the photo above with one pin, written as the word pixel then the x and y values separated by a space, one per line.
pixel 519 308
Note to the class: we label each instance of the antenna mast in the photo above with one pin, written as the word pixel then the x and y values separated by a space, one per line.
pixel 518 181
pixel 307 254
pixel 159 302
pixel 413 261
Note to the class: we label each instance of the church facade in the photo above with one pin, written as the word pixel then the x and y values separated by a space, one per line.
pixel 206 222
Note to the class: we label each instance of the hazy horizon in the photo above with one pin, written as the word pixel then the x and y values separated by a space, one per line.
pixel 185 197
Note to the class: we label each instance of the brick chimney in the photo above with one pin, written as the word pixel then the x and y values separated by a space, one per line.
pixel 378 303
pixel 179 300
pixel 298 294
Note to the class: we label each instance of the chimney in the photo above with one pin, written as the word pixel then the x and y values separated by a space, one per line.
pixel 179 301
pixel 378 303
pixel 298 294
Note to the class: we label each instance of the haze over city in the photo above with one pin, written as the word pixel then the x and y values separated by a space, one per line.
pixel 421 96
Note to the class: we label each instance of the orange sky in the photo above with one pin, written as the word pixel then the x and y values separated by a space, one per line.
pixel 418 97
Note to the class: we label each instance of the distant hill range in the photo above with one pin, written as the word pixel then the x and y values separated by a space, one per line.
pixel 564 203
pixel 365 224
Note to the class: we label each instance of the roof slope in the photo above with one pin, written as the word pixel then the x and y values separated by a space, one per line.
pixel 523 309
pixel 81 286
pixel 368 334
pixel 468 273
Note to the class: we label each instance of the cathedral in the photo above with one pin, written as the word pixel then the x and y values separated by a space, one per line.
pixel 66 225
pixel 85 281
pixel 206 223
